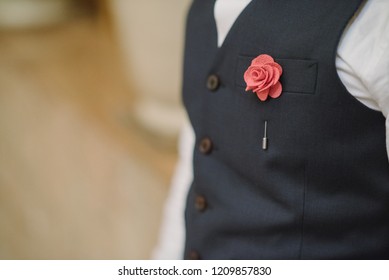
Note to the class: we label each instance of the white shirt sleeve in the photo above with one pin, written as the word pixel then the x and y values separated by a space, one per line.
pixel 363 66
pixel 172 232
pixel 363 58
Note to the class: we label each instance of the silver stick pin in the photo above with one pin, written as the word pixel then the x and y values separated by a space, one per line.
pixel 264 139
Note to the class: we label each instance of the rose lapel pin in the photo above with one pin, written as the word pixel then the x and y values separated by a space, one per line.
pixel 262 77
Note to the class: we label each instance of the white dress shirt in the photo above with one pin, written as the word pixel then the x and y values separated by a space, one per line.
pixel 362 63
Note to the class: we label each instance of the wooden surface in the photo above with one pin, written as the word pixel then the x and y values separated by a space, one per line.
pixel 78 180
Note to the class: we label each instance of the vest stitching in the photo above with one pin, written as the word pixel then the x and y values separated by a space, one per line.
pixel 303 213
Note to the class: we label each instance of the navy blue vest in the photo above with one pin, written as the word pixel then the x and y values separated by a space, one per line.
pixel 321 188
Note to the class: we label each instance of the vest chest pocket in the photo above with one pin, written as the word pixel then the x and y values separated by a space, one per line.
pixel 299 76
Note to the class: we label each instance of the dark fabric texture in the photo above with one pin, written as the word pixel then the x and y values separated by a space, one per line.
pixel 321 189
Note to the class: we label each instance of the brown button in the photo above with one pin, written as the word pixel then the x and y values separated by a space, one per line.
pixel 193 255
pixel 200 203
pixel 205 146
pixel 213 82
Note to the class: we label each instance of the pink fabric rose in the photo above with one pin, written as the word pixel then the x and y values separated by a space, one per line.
pixel 262 77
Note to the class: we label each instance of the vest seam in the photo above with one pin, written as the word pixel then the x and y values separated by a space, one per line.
pixel 303 214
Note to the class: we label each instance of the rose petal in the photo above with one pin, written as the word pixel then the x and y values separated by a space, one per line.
pixel 248 79
pixel 265 84
pixel 276 76
pixel 277 66
pixel 262 59
pixel 258 85
pixel 248 75
pixel 255 78
pixel 262 95
pixel 258 75
pixel 276 90
pixel 270 73
pixel 262 75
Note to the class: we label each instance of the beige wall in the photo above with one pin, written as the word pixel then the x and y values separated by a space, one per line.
pixel 32 13
pixel 77 181
pixel 151 36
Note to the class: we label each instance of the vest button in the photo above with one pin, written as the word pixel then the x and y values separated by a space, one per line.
pixel 213 82
pixel 200 203
pixel 205 146
pixel 193 255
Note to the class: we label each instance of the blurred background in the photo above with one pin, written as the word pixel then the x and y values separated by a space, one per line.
pixel 90 110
